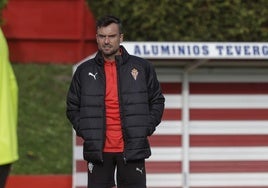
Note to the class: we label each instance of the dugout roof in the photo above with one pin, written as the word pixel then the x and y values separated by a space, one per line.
pixel 205 54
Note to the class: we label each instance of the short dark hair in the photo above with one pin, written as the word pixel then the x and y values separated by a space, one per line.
pixel 107 20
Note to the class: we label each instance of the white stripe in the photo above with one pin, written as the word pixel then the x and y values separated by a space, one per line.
pixel 78 153
pixel 229 78
pixel 74 162
pixel 229 179
pixel 159 153
pixel 81 178
pixel 155 180
pixel 197 179
pixel 228 153
pixel 210 153
pixel 202 153
pixel 164 180
pixel 229 101
pixel 168 128
pixel 227 127
pixel 251 75
pixel 170 78
pixel 166 154
pixel 173 101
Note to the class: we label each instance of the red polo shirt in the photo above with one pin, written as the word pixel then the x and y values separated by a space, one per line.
pixel 114 138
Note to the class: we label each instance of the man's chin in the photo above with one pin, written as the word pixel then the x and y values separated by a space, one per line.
pixel 108 53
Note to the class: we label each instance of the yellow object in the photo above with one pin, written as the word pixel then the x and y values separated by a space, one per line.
pixel 8 106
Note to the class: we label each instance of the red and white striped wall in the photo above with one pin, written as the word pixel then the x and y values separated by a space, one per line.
pixel 214 136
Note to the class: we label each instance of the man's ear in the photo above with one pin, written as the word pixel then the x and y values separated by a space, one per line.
pixel 121 38
pixel 96 37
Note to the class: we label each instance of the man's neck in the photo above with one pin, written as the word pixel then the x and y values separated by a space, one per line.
pixel 112 57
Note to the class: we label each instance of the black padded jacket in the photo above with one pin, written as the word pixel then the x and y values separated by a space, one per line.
pixel 141 104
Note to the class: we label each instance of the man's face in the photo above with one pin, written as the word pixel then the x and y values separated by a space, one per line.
pixel 109 39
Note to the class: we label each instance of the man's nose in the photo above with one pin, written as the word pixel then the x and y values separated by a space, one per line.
pixel 107 40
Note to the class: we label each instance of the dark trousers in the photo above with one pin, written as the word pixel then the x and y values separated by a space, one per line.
pixel 131 174
pixel 4 172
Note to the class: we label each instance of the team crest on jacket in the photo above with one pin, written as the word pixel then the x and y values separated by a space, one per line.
pixel 134 73
pixel 90 167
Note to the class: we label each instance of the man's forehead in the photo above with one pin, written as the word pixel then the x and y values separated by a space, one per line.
pixel 111 28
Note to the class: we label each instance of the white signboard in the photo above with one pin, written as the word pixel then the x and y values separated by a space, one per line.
pixel 198 50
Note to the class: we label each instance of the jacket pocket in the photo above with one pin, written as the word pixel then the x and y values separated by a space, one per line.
pixel 151 127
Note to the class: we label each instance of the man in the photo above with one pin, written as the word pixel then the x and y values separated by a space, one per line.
pixel 114 103
pixel 8 113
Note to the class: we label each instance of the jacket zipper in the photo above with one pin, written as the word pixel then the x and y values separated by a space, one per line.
pixel 104 111
pixel 120 108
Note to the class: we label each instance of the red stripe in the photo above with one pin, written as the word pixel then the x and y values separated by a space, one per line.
pixel 228 166
pixel 204 140
pixel 163 167
pixel 218 114
pixel 151 167
pixel 210 140
pixel 40 181
pixel 171 88
pixel 229 114
pixel 233 187
pixel 228 140
pixel 197 166
pixel 165 140
pixel 172 114
pixel 229 88
pixel 79 141
pixel 210 187
pixel 171 187
pixel 81 166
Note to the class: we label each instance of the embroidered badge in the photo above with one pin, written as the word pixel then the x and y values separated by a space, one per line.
pixel 90 167
pixel 134 73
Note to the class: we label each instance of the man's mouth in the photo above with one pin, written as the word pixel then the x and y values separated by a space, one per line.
pixel 107 47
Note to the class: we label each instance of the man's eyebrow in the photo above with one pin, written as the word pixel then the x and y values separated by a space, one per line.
pixel 112 35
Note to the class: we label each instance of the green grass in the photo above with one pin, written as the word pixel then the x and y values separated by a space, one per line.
pixel 44 133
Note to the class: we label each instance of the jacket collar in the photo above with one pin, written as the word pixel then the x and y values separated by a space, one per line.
pixel 120 59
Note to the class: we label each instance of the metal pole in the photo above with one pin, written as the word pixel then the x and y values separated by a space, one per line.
pixel 185 130
pixel 186 121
